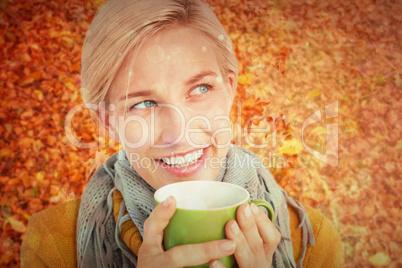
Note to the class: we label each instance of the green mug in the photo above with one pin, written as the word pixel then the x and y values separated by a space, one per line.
pixel 202 210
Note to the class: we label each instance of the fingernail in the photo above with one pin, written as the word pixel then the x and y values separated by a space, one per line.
pixel 166 203
pixel 228 245
pixel 255 209
pixel 235 228
pixel 217 264
pixel 247 211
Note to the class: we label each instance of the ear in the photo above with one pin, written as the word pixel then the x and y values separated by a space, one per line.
pixel 232 84
pixel 110 126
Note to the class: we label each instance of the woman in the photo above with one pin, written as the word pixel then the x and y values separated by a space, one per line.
pixel 163 76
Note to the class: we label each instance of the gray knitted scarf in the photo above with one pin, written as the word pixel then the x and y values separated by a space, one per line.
pixel 99 243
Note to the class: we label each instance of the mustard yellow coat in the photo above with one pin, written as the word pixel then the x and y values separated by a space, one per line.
pixel 50 239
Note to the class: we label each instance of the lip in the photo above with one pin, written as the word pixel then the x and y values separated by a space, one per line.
pixel 179 154
pixel 186 171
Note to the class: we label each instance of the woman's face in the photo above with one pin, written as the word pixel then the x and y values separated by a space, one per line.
pixel 178 105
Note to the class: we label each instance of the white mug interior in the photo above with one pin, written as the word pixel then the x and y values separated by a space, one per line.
pixel 203 195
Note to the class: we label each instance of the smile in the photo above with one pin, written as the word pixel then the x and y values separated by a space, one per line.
pixel 185 160
pixel 184 165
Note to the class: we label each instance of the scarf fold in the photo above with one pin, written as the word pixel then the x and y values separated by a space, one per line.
pixel 99 243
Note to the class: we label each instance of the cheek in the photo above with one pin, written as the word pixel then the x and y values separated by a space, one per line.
pixel 219 102
pixel 142 164
pixel 133 132
pixel 221 128
pixel 221 131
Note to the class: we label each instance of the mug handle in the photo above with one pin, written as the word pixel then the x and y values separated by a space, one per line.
pixel 266 205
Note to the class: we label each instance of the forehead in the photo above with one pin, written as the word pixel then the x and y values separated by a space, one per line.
pixel 171 56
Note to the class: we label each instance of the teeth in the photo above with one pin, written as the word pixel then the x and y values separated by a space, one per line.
pixel 181 160
pixel 186 160
pixel 189 158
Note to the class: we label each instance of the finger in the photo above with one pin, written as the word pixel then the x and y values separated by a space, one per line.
pixel 249 228
pixel 267 230
pixel 198 254
pixel 155 224
pixel 243 252
pixel 216 264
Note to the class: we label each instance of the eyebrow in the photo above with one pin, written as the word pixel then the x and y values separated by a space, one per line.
pixel 198 77
pixel 148 92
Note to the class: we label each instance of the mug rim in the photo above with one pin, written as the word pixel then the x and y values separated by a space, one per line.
pixel 245 200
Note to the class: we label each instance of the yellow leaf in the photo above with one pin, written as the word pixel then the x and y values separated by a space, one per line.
pixel 65 33
pixel 349 250
pixel 54 34
pixel 70 86
pixel 17 225
pixel 37 146
pixel 243 79
pixel 282 33
pixel 381 80
pixel 35 46
pixel 9 128
pixel 39 94
pixel 26 216
pixel 75 95
pixel 55 199
pixel 319 130
pixel 5 152
pixel 291 147
pixel 40 176
pixel 380 259
pixel 351 125
pixel 73 148
pixel 314 93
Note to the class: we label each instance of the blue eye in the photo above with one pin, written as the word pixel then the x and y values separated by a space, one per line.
pixel 203 88
pixel 144 104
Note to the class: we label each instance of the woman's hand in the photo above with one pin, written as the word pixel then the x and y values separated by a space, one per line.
pixel 255 235
pixel 152 253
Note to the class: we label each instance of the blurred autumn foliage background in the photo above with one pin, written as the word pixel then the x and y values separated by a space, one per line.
pixel 296 57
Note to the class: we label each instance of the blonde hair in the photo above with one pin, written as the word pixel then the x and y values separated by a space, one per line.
pixel 121 27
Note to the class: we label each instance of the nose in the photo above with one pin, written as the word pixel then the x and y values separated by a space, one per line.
pixel 173 123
